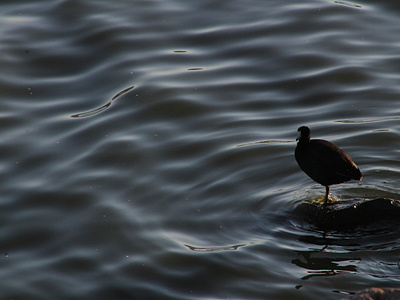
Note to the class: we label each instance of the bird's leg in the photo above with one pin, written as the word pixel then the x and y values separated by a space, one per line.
pixel 326 195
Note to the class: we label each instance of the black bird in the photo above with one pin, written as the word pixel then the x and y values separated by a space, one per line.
pixel 323 161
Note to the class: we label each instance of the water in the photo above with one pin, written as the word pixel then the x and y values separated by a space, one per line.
pixel 147 147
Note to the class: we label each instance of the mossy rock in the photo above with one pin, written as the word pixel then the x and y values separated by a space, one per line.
pixel 376 294
pixel 348 214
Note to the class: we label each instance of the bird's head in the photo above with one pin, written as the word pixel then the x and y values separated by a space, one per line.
pixel 303 133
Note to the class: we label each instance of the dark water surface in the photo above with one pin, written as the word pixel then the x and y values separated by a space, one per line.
pixel 147 147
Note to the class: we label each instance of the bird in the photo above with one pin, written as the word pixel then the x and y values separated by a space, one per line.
pixel 323 161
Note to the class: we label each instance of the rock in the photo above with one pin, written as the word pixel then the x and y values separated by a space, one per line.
pixel 376 294
pixel 348 214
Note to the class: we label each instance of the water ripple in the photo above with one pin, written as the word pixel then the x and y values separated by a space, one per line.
pixel 102 108
pixel 189 189
pixel 348 4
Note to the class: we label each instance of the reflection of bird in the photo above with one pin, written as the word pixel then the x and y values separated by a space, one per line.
pixel 323 161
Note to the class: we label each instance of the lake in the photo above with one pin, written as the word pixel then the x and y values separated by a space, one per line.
pixel 147 147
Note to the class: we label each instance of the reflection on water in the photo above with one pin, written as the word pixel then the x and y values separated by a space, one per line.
pixel 263 142
pixel 214 249
pixel 102 108
pixel 318 266
pixel 348 4
pixel 336 252
pixel 369 120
